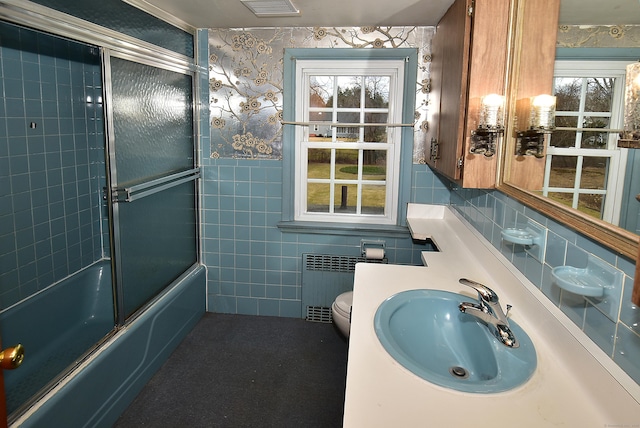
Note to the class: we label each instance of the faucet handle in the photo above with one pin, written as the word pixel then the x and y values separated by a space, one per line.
pixel 484 293
pixel 508 310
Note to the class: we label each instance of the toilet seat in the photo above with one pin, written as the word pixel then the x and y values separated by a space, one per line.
pixel 343 304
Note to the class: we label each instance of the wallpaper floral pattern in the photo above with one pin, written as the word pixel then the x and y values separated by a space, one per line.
pixel 246 81
pixel 598 36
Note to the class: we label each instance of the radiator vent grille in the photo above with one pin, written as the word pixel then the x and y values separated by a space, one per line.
pixel 319 314
pixel 331 263
pixel 324 277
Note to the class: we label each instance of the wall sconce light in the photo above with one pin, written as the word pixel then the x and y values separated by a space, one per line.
pixel 541 121
pixel 630 137
pixel 490 126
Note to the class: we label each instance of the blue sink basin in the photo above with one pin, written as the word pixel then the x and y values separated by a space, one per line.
pixel 426 333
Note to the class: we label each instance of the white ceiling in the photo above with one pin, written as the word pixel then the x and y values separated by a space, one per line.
pixel 358 13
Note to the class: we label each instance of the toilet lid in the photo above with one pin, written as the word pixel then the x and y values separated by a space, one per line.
pixel 344 302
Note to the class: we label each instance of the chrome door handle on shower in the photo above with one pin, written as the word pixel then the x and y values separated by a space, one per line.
pixel 137 191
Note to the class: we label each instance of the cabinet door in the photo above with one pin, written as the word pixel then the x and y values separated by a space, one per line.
pixel 432 155
pixel 451 57
pixel 468 62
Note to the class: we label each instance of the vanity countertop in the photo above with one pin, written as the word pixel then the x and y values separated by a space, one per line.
pixel 575 384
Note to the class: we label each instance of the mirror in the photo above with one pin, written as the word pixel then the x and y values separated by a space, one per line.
pixel 580 177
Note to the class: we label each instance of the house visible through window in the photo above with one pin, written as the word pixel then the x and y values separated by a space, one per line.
pixel 347 159
pixel 583 164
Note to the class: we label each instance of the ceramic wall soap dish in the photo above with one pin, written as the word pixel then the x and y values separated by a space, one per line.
pixel 521 236
pixel 591 281
pixel 531 235
pixel 578 281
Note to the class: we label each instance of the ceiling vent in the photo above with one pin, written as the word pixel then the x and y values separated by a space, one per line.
pixel 262 8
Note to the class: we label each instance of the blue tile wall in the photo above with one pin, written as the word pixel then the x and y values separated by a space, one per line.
pixel 613 323
pixel 51 160
pixel 254 268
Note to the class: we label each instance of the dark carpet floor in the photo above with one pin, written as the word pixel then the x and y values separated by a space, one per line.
pixel 247 371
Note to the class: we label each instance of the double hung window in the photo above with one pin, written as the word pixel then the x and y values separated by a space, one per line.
pixel 348 147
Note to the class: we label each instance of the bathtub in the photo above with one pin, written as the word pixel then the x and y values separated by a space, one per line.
pixel 105 383
pixel 56 327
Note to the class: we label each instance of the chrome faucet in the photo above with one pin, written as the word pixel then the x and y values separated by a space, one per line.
pixel 488 310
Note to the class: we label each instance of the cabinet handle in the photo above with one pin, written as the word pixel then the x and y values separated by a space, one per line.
pixel 11 358
pixel 435 150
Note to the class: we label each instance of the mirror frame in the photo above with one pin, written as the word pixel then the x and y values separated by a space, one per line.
pixel 615 238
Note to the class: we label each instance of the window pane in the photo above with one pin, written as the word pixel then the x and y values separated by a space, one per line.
pixel 595 122
pixel 594 140
pixel 318 197
pixel 319 132
pixel 349 91
pixel 591 204
pixel 373 199
pixel 346 165
pixel 374 164
pixel 320 91
pixel 345 198
pixel 563 171
pixel 566 121
pixel 375 134
pixel 599 94
pixel 567 91
pixel 376 92
pixel 594 172
pixel 348 133
pixel 319 163
pixel 564 138
pixel 563 198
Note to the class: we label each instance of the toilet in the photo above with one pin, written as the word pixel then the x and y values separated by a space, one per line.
pixel 341 312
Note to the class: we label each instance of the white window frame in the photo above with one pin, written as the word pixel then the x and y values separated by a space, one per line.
pixel 617 158
pixel 395 69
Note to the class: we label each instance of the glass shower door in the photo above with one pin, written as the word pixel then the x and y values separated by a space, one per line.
pixel 153 177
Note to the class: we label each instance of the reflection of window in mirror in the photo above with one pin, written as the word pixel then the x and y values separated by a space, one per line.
pixel 584 168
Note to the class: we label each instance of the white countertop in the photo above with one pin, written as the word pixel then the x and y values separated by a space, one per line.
pixel 575 384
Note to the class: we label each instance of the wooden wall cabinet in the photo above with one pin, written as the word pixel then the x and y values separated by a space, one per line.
pixel 469 61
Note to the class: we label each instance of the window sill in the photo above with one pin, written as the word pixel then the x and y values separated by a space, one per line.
pixel 351 229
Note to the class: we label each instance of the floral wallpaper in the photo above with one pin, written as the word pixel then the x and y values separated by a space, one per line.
pixel 598 36
pixel 246 79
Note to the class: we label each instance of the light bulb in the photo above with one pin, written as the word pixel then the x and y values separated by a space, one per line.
pixel 492 111
pixel 543 111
